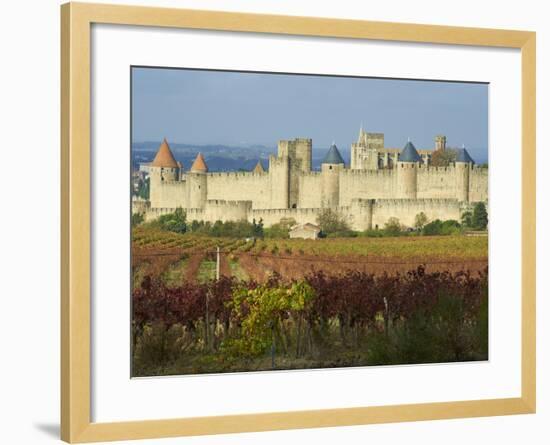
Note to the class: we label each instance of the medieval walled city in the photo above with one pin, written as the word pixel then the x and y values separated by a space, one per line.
pixel 380 183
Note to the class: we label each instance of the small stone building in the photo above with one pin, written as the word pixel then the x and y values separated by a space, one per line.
pixel 305 231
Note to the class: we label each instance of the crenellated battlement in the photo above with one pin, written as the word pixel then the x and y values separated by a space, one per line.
pixel 370 173
pixel 416 202
pixel 479 171
pixel 173 182
pixel 228 203
pixel 312 174
pixel 237 175
pixel 430 169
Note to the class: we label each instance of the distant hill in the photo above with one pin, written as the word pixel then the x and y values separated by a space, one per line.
pixel 220 158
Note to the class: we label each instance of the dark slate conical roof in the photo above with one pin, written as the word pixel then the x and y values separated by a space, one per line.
pixel 333 156
pixel 409 154
pixel 462 155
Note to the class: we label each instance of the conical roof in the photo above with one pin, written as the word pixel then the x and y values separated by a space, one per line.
pixel 199 165
pixel 462 155
pixel 259 168
pixel 409 154
pixel 164 157
pixel 333 156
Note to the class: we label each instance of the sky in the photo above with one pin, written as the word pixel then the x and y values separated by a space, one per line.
pixel 236 108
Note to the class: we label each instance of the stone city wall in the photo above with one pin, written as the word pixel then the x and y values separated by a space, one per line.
pixel 366 184
pixel 406 210
pixel 479 184
pixel 168 194
pixel 241 186
pixel 436 182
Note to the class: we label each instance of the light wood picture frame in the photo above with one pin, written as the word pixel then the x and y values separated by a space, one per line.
pixel 76 21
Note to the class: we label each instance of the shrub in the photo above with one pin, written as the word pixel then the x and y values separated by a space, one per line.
pixel 433 228
pixel 172 222
pixel 373 233
pixel 438 335
pixel 280 229
pixel 451 227
pixel 233 229
pixel 343 234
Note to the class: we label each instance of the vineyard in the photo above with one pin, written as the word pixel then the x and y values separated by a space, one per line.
pixel 188 256
pixel 289 304
pixel 355 319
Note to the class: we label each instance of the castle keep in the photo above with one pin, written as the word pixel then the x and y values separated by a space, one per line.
pixel 379 184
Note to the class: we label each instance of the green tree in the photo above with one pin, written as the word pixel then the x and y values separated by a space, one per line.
pixel 173 222
pixel 393 227
pixel 442 158
pixel 144 187
pixel 466 219
pixel 137 219
pixel 420 220
pixel 332 222
pixel 258 228
pixel 480 218
pixel 433 228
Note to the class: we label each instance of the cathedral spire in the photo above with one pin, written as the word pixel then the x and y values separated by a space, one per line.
pixel 362 135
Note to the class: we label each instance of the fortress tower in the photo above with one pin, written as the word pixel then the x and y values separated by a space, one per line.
pixel 463 165
pixel 298 153
pixel 197 183
pixel 407 172
pixel 163 169
pixel 331 167
pixel 279 181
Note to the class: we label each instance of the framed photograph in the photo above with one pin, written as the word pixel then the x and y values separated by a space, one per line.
pixel 274 222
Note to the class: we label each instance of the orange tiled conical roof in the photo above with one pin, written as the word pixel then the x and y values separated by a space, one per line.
pixel 199 165
pixel 259 168
pixel 164 157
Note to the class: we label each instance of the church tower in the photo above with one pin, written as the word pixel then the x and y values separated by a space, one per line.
pixel 364 152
